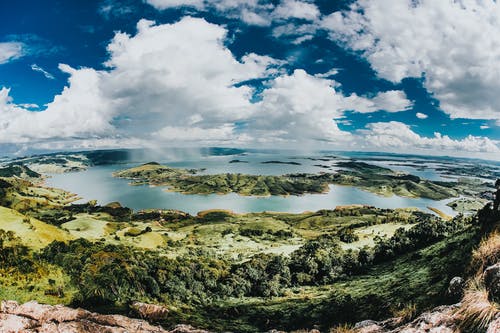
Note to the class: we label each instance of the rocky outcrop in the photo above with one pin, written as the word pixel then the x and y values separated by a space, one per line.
pixel 440 320
pixel 33 317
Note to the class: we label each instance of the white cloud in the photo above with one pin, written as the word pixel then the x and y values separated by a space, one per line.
pixel 252 12
pixel 224 134
pixel 178 83
pixel 421 115
pixel 116 8
pixel 39 69
pixel 397 135
pixel 304 108
pixel 296 9
pixel 253 18
pixel 390 101
pixel 297 107
pixel 10 51
pixel 179 80
pixel 331 72
pixel 454 44
pixel 162 77
pixel 298 33
pixel 164 4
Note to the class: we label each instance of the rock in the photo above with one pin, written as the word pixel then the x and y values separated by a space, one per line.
pixel 365 323
pixel 32 317
pixel 10 323
pixel 491 278
pixel 456 288
pixel 494 326
pixel 438 320
pixel 186 329
pixel 150 311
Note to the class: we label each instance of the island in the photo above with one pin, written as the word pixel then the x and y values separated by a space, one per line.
pixel 372 178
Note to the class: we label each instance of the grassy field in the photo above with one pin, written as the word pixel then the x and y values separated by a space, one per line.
pixel 33 233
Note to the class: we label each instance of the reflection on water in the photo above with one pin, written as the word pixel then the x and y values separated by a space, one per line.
pixel 97 183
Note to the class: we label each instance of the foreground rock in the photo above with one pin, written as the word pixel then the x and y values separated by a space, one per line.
pixel 440 320
pixel 32 317
pixel 492 281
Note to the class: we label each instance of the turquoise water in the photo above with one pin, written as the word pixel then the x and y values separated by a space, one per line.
pixel 97 183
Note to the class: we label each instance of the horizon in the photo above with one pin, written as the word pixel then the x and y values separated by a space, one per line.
pixel 296 152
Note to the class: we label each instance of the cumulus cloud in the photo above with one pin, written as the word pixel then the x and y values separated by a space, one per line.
pixel 157 78
pixel 169 78
pixel 453 44
pixel 390 101
pixel 421 115
pixel 10 51
pixel 176 83
pixel 79 111
pixel 304 107
pixel 39 69
pixel 296 9
pixel 397 135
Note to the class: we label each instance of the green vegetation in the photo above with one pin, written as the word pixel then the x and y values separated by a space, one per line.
pixel 368 177
pixel 225 271
pixel 186 181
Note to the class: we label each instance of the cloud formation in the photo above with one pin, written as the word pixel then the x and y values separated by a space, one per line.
pixel 10 51
pixel 39 69
pixel 166 75
pixel 397 135
pixel 452 44
pixel 252 12
pixel 177 83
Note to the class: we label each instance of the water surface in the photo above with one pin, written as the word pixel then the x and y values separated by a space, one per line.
pixel 97 183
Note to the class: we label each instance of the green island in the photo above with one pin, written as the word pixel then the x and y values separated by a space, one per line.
pixel 368 177
pixel 224 271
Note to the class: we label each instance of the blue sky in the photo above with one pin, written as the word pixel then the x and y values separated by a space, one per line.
pixel 325 74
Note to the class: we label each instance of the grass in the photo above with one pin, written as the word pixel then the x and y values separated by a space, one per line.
pixel 33 233
pixel 344 328
pixel 43 285
pixel 488 252
pixel 476 311
pixel 86 226
pixel 368 234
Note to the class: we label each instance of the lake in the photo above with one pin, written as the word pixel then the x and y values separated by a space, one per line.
pixel 97 183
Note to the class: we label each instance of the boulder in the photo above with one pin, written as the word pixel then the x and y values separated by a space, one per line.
pixel 494 326
pixel 10 323
pixel 491 278
pixel 33 317
pixel 456 288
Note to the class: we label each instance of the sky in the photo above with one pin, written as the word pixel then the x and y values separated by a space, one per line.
pixel 407 76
